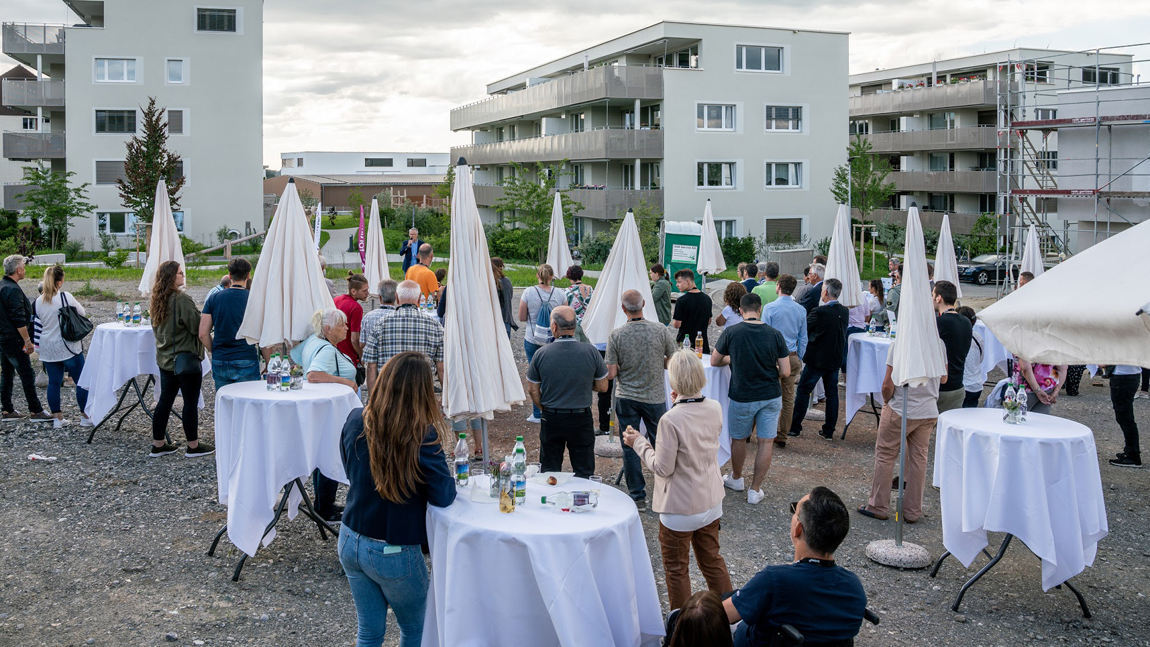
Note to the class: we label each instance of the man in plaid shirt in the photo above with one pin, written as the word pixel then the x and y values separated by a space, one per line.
pixel 407 329
pixel 369 327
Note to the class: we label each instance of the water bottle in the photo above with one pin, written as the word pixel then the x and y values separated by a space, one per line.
pixel 579 501
pixel 274 372
pixel 462 460
pixel 870 329
pixel 1022 399
pixel 120 311
pixel 686 345
pixel 519 471
pixel 506 488
pixel 137 314
pixel 296 377
pixel 285 373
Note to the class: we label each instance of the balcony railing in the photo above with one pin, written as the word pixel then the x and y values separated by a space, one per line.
pixel 13 194
pixel 946 181
pixel 601 204
pixel 979 137
pixel 23 40
pixel 30 146
pixel 606 82
pixel 593 144
pixel 950 95
pixel 27 93
pixel 960 223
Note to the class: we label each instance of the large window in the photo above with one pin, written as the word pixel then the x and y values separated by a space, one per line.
pixel 1100 76
pixel 116 121
pixel 117 222
pixel 219 20
pixel 578 175
pixel 724 228
pixel 784 174
pixel 684 58
pixel 107 172
pixel 378 162
pixel 578 122
pixel 753 58
pixel 416 162
pixel 1049 159
pixel 940 202
pixel 715 117
pixel 987 203
pixel 176 71
pixel 940 161
pixel 30 123
pixel 115 70
pixel 1038 72
pixel 859 127
pixel 716 175
pixel 941 121
pixel 783 230
pixel 784 118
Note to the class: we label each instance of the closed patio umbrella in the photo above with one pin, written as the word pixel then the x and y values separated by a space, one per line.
pixel 375 262
pixel 945 263
pixel 841 263
pixel 625 269
pixel 710 259
pixel 558 251
pixel 165 243
pixel 1032 254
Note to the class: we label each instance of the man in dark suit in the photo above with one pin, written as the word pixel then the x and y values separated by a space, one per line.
pixel 410 249
pixel 827 338
pixel 810 299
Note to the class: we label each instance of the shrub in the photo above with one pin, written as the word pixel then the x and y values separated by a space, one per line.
pixel 107 242
pixel 72 249
pixel 188 245
pixel 116 259
pixel 930 239
pixel 510 244
pixel 595 251
pixel 823 246
pixel 8 247
pixel 222 234
pixel 738 250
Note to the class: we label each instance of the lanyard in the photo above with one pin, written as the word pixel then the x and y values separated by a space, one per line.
pixel 685 400
pixel 827 563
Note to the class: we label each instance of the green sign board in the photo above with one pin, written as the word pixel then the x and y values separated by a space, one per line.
pixel 680 248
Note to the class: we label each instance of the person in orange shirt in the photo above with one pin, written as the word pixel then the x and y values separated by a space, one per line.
pixel 421 273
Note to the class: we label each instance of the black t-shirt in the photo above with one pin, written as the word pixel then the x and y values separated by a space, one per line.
pixel 693 309
pixel 956 333
pixel 825 603
pixel 754 350
pixel 226 308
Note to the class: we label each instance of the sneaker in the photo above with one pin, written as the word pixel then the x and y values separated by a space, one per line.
pixel 533 419
pixel 162 450
pixel 754 496
pixel 1127 461
pixel 1142 394
pixel 11 416
pixel 201 449
pixel 780 443
pixel 85 421
pixel 732 484
pixel 43 416
pixel 60 423
pixel 641 505
pixel 827 436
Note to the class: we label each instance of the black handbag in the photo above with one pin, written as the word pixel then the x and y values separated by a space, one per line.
pixel 73 325
pixel 186 363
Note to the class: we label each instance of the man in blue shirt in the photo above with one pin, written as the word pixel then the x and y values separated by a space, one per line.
pixel 410 249
pixel 789 318
pixel 825 602
pixel 233 360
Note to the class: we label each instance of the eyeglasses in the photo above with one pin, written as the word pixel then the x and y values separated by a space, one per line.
pixel 794 507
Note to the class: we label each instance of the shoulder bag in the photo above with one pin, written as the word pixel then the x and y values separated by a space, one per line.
pixel 73 325
pixel 186 363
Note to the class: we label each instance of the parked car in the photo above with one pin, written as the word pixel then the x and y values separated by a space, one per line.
pixel 984 269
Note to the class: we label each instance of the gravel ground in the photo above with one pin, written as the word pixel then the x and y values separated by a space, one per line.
pixel 106 547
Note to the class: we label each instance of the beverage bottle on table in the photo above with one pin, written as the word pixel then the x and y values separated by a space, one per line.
pixel 274 372
pixel 285 373
pixel 137 314
pixel 120 311
pixel 699 347
pixel 519 470
pixel 506 488
pixel 296 377
pixel 578 501
pixel 462 460
pixel 686 343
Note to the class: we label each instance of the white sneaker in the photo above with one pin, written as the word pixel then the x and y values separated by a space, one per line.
pixel 85 421
pixel 1142 394
pixel 754 496
pixel 532 419
pixel 732 484
pixel 60 423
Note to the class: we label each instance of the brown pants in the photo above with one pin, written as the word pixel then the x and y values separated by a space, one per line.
pixel 886 453
pixel 788 384
pixel 676 548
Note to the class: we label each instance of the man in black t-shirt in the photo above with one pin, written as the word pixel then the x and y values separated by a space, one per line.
pixel 693 311
pixel 956 332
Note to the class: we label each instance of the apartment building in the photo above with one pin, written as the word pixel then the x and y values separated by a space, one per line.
pixel 675 114
pixel 14 120
pixel 939 125
pixel 203 63
pixel 351 163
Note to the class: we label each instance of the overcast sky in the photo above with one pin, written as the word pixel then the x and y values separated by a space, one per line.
pixel 382 76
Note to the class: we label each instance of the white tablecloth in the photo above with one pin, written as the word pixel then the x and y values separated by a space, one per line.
pixel 718 383
pixel 117 354
pixel 866 369
pixel 540 577
pixel 1038 481
pixel 265 440
pixel 994 354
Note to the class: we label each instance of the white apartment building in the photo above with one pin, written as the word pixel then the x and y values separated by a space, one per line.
pixel 676 114
pixel 14 120
pixel 203 63
pixel 352 163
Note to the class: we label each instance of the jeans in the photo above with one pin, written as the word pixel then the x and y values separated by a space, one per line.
pixel 382 575
pixel 762 416
pixel 530 349
pixel 188 385
pixel 1122 390
pixel 574 431
pixel 971 399
pixel 73 365
pixel 676 549
pixel 16 361
pixel 811 376
pixel 630 412
pixel 230 372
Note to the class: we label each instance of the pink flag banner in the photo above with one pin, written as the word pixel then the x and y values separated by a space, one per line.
pixel 362 242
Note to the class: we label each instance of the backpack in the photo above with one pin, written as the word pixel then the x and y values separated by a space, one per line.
pixel 542 327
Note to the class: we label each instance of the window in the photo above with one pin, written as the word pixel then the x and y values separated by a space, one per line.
pixel 416 162
pixel 1048 159
pixel 716 175
pixel 750 58
pixel 714 117
pixel 107 172
pixel 784 118
pixel 287 162
pixel 1038 72
pixel 578 175
pixel 783 230
pixel 29 123
pixel 687 58
pixel 1100 76
pixel 299 162
pixel 116 121
pixel 180 166
pixel 860 127
pixel 941 121
pixel 175 70
pixel 894 126
pixel 117 222
pixel 176 122
pixel 724 228
pixel 499 134
pixel 941 161
pixel 987 203
pixel 115 70
pixel 578 122
pixel 511 132
pixel 379 162
pixel 987 161
pixel 220 20
pixel 940 202
pixel 1045 113
pixel 784 174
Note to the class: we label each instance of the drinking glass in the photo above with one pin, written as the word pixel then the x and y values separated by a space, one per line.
pixel 532 469
pixel 596 483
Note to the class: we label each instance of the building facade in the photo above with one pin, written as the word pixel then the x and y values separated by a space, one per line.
pixel 676 114
pixel 18 121
pixel 351 163
pixel 202 63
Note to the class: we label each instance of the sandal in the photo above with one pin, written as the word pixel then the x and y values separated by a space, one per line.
pixel 862 509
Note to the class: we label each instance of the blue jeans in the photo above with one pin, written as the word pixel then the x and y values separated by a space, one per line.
pixel 73 365
pixel 530 349
pixel 244 370
pixel 630 412
pixel 762 415
pixel 382 575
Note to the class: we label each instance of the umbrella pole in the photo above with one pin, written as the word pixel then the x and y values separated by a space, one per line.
pixel 898 553
pixel 483 430
pixel 901 472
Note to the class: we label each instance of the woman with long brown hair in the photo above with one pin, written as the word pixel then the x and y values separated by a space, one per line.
pixel 176 323
pixel 506 294
pixel 395 464
pixel 57 354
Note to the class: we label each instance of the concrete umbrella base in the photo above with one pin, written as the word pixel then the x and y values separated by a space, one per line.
pixel 885 552
pixel 608 447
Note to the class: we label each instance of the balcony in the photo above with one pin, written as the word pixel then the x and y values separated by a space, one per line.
pixel 600 204
pixel 25 93
pixel 590 145
pixel 24 41
pixel 940 97
pixel 13 196
pixel 946 181
pixel 960 223
pixel 597 84
pixel 30 146
pixel 975 138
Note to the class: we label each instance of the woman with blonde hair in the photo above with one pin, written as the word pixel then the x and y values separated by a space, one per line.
pixel 393 455
pixel 179 351
pixel 688 491
pixel 538 297
pixel 59 356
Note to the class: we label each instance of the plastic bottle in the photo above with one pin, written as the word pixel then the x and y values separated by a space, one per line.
pixel 274 373
pixel 137 314
pixel 579 501
pixel 296 377
pixel 519 471
pixel 686 343
pixel 285 373
pixel 506 488
pixel 120 311
pixel 462 462
pixel 870 329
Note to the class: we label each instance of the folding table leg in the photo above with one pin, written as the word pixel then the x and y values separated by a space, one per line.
pixel 310 512
pixel 279 511
pixel 1081 600
pixel 108 417
pixel 981 572
pixel 216 541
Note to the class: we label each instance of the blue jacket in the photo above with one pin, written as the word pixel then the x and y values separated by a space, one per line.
pixel 408 253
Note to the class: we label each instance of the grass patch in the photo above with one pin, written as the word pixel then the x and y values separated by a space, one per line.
pixel 131 274
pixel 94 294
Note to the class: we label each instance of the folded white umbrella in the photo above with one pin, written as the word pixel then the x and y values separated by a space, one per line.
pixel 288 285
pixel 165 243
pixel 945 264
pixel 1103 325
pixel 1032 254
pixel 375 264
pixel 317 221
pixel 919 354
pixel 710 259
pixel 841 262
pixel 558 251
pixel 625 269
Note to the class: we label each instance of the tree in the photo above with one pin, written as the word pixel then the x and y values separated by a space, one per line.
pixel 308 199
pixel 51 200
pixel 443 191
pixel 148 161
pixel 867 183
pixel 355 200
pixel 529 195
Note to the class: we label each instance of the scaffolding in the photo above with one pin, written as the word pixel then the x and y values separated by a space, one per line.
pixel 1027 156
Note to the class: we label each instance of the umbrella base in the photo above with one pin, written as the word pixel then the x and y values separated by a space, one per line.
pixel 909 556
pixel 608 447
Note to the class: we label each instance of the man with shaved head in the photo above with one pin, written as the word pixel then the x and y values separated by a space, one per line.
pixel 560 380
pixel 421 272
pixel 637 353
